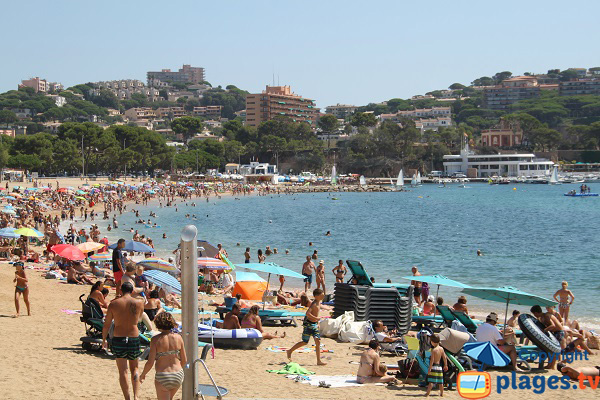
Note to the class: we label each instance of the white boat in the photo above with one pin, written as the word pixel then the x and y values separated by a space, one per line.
pixel 333 176
pixel 554 177
pixel 413 181
pixel 400 180
pixel 362 180
pixel 419 178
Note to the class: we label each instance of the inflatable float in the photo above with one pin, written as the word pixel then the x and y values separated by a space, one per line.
pixel 245 339
pixel 534 330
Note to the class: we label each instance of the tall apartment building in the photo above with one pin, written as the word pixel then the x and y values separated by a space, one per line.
pixel 279 101
pixel 341 111
pixel 186 74
pixel 510 91
pixel 580 87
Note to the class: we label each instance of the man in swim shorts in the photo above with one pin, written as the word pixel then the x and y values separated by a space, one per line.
pixel 307 269
pixel 125 312
pixel 118 262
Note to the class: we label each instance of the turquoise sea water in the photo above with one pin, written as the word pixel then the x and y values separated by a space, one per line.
pixel 532 237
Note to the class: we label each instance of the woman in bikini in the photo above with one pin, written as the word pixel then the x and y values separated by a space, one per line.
pixel 21 288
pixel 371 370
pixel 168 352
pixel 339 271
pixel 252 321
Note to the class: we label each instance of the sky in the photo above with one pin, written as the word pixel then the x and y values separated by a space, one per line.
pixel 349 52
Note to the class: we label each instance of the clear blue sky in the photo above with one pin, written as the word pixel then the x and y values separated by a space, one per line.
pixel 333 51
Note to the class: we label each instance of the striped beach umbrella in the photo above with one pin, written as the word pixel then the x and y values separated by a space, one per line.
pixel 212 263
pixel 86 247
pixel 164 280
pixel 158 264
pixel 101 257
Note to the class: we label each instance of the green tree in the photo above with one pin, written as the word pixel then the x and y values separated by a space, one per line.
pixel 457 86
pixel 106 98
pixel 363 119
pixel 328 123
pixel 233 150
pixel 187 126
pixel 500 76
pixel 545 138
pixel 7 117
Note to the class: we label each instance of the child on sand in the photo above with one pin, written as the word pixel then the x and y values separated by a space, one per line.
pixel 564 304
pixel 311 327
pixel 21 288
pixel 435 375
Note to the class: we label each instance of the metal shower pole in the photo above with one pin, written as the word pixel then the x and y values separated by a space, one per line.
pixel 189 305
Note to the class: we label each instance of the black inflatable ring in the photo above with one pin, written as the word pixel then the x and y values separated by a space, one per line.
pixel 534 330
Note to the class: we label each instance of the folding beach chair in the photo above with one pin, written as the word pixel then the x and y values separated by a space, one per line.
pixel 446 313
pixel 465 320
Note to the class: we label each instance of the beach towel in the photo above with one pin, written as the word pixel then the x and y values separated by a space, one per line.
pixel 70 312
pixel 308 349
pixel 293 369
pixel 336 381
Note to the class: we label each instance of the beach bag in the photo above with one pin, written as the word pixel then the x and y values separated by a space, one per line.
pixel 330 327
pixel 356 332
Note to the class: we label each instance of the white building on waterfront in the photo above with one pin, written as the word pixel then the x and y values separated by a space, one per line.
pixel 487 165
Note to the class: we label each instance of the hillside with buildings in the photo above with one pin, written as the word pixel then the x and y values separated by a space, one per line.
pixel 200 126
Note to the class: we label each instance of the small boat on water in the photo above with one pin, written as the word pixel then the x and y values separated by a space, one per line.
pixel 570 194
pixel 362 181
pixel 554 177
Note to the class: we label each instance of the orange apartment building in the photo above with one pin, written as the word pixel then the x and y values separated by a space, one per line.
pixel 279 101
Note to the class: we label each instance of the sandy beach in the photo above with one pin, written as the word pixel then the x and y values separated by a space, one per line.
pixel 41 357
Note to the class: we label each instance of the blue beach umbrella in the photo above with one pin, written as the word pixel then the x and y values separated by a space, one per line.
pixel 508 294
pixel 9 233
pixel 160 278
pixel 487 354
pixel 132 245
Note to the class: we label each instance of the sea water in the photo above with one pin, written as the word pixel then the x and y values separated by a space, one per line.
pixel 531 236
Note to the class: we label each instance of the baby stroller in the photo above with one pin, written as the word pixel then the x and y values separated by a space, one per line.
pixel 93 318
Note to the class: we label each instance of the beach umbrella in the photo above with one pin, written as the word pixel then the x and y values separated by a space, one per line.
pixel 101 257
pixel 89 246
pixel 68 251
pixel 160 278
pixel 487 354
pixel 132 245
pixel 29 232
pixel 9 198
pixel 212 263
pixel 439 280
pixel 271 268
pixel 80 198
pixel 158 264
pixel 9 233
pixel 508 294
pixel 8 211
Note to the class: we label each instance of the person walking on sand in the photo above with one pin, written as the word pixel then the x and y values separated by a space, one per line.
pixel 307 269
pixel 320 276
pixel 168 352
pixel 125 311
pixel 565 298
pixel 311 327
pixel 21 287
pixel 118 262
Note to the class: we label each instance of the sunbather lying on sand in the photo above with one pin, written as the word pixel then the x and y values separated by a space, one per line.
pixel 574 373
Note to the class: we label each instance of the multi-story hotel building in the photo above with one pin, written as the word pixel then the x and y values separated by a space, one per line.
pixel 186 74
pixel 279 101
pixel 580 87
